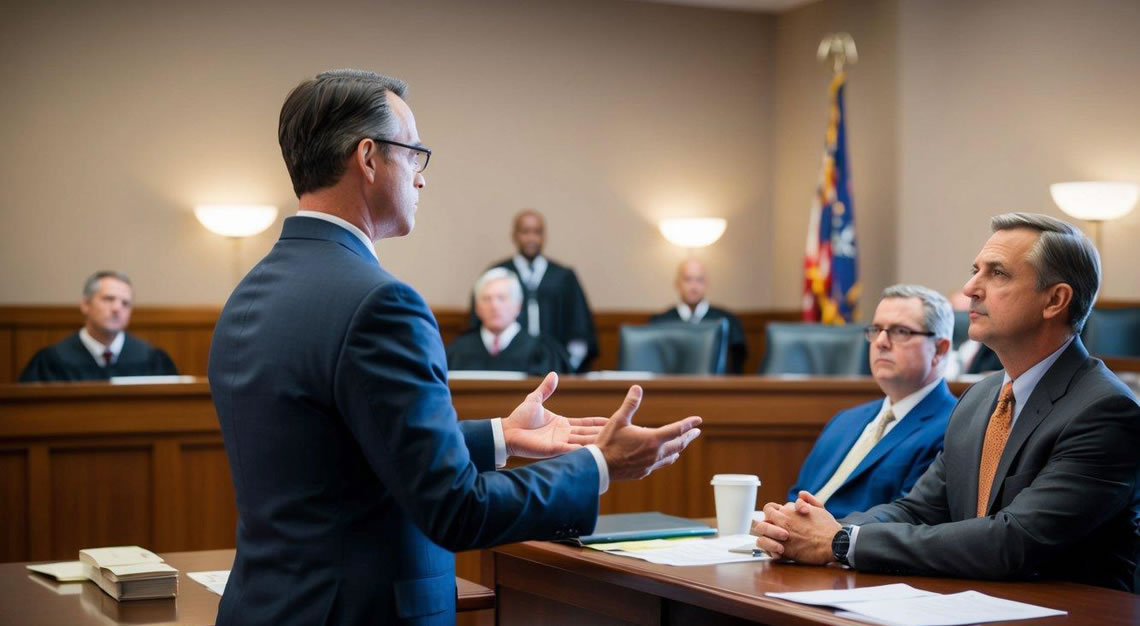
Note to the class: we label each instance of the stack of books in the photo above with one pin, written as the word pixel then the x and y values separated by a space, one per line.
pixel 123 572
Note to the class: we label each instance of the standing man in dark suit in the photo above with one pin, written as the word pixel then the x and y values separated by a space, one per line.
pixel 1039 473
pixel 102 348
pixel 1038 478
pixel 692 285
pixel 875 452
pixel 554 303
pixel 354 480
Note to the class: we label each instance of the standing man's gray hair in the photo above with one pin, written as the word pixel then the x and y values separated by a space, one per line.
pixel 324 118
pixel 937 314
pixel 1062 254
pixel 91 285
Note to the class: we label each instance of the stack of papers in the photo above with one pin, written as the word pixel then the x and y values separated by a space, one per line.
pixel 124 572
pixel 686 551
pixel 130 572
pixel 903 605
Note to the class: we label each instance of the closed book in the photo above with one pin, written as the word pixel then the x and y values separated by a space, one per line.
pixel 130 572
pixel 641 526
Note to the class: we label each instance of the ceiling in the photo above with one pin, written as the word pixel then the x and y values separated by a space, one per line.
pixel 754 6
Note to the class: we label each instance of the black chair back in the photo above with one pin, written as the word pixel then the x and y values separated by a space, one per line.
pixel 815 349
pixel 1113 332
pixel 675 348
pixel 961 328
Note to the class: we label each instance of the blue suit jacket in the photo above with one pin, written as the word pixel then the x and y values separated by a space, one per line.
pixel 891 468
pixel 354 480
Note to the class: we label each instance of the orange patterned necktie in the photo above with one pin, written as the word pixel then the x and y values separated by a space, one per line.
pixel 997 433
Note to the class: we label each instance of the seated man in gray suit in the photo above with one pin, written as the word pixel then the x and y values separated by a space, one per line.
pixel 1038 477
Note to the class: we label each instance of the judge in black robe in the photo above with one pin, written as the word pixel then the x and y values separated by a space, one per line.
pixel 499 343
pixel 551 293
pixel 536 356
pixel 69 360
pixel 102 348
pixel 692 285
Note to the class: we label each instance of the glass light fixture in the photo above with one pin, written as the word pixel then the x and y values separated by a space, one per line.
pixel 692 232
pixel 1095 202
pixel 236 220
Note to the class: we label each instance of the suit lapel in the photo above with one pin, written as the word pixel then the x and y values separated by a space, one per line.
pixel 848 436
pixel 1053 385
pixel 918 416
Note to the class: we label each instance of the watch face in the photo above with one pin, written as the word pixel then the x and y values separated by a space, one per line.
pixel 840 544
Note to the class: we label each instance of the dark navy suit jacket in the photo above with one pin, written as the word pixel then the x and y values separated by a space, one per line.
pixel 354 480
pixel 891 468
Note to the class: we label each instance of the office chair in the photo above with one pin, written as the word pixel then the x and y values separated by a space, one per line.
pixel 675 348
pixel 815 349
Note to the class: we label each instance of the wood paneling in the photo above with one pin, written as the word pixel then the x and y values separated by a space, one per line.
pixel 100 497
pixel 98 464
pixel 14 504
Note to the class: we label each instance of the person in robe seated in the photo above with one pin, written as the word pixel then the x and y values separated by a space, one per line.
pixel 692 287
pixel 102 348
pixel 875 452
pixel 498 343
pixel 554 303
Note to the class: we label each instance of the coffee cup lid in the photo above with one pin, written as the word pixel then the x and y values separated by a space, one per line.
pixel 747 480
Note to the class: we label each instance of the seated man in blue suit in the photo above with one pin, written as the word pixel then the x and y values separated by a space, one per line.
pixel 875 452
pixel 354 480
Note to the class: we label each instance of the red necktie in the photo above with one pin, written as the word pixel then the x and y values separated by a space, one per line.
pixel 495 345
pixel 107 356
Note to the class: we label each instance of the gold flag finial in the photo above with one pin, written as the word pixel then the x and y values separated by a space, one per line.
pixel 840 47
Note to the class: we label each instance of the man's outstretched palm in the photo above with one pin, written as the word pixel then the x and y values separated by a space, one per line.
pixel 533 431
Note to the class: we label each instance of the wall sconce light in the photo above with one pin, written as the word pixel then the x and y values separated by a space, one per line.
pixel 1095 202
pixel 235 220
pixel 692 232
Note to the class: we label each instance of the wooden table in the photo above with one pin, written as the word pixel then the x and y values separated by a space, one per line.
pixel 552 584
pixel 32 599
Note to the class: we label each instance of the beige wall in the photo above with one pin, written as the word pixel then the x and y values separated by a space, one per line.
pixel 118 117
pixel 1000 99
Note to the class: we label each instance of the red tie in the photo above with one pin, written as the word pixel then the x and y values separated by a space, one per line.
pixel 107 356
pixel 495 345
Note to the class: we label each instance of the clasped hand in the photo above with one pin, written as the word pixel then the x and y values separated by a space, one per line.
pixel 799 531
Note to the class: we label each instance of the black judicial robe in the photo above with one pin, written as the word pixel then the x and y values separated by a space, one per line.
pixel 534 355
pixel 737 341
pixel 69 360
pixel 563 312
pixel 985 360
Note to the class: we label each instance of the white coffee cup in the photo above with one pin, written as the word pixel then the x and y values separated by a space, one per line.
pixel 735 502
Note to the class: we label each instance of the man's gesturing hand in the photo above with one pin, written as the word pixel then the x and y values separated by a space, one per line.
pixel 633 452
pixel 533 431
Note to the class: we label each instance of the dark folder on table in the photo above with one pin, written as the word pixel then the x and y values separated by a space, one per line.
pixel 641 526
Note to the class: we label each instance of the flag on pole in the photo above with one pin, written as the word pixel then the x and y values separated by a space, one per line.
pixel 831 277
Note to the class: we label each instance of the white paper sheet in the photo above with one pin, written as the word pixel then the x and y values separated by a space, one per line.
pixel 697 552
pixel 67 571
pixel 967 607
pixel 842 597
pixel 215 581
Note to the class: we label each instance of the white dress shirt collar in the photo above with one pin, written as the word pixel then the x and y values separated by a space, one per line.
pixel 907 404
pixel 349 226
pixel 696 314
pixel 505 337
pixel 1025 384
pixel 96 349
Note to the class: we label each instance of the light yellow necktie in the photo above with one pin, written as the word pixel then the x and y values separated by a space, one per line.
pixel 855 456
pixel 997 433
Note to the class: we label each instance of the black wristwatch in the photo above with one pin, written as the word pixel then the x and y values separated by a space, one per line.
pixel 840 544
